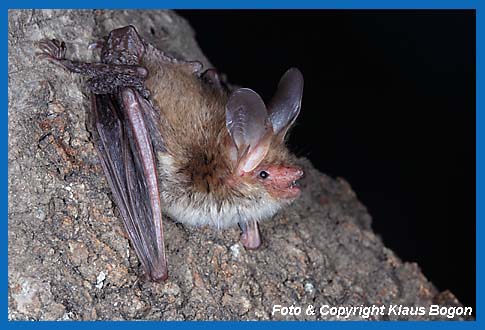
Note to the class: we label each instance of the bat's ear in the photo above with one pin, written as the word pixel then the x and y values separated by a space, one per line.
pixel 249 127
pixel 286 103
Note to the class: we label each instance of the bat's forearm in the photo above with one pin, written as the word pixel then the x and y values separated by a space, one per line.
pixel 144 154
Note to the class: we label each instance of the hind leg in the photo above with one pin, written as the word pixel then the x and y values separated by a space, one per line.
pixel 250 237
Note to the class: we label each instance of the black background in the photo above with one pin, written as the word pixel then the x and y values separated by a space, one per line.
pixel 389 105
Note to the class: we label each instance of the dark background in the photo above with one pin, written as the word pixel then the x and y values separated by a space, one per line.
pixel 389 105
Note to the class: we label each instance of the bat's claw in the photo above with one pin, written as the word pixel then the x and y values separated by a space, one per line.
pixel 52 50
pixel 96 44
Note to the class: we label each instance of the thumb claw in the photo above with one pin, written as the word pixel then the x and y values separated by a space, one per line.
pixel 96 45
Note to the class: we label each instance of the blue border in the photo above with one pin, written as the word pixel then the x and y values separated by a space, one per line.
pixel 328 4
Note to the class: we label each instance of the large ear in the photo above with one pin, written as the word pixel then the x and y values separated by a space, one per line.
pixel 286 103
pixel 249 127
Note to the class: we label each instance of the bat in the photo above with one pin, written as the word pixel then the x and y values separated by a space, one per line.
pixel 175 138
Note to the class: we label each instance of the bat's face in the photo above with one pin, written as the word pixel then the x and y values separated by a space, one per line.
pixel 271 185
pixel 279 181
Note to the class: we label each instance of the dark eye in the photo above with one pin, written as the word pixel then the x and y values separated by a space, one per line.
pixel 263 174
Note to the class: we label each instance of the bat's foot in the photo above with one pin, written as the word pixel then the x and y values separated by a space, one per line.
pixel 52 50
pixel 250 237
pixel 104 78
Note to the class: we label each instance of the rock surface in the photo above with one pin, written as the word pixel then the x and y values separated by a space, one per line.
pixel 69 257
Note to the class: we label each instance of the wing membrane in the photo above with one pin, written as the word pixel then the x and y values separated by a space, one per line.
pixel 129 166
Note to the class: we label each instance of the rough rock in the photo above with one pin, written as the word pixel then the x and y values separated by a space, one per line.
pixel 69 257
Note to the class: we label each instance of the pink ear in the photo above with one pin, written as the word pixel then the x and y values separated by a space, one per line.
pixel 286 103
pixel 249 127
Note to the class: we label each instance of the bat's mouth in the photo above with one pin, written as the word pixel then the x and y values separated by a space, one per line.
pixel 292 190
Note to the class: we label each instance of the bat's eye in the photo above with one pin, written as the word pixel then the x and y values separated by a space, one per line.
pixel 263 174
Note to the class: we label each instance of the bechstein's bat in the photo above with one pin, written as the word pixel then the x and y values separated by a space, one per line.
pixel 172 138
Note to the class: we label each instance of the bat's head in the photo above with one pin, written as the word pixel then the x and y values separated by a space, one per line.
pixel 262 166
